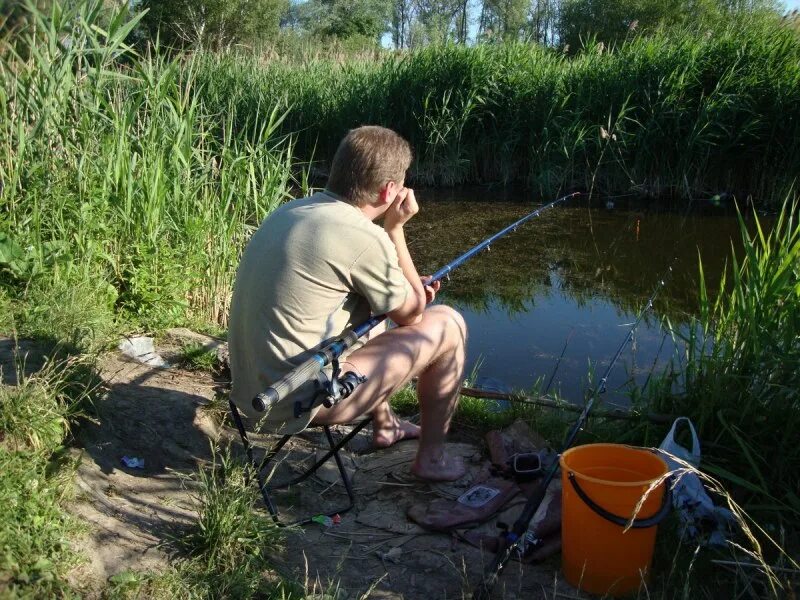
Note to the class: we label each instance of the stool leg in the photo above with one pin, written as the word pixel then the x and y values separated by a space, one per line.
pixel 334 449
pixel 257 469
pixel 345 478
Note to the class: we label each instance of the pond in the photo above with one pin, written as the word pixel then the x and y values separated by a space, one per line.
pixel 571 281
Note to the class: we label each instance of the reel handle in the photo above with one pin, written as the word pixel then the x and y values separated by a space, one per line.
pixel 285 386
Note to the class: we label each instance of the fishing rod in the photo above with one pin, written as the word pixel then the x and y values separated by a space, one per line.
pixel 519 398
pixel 514 540
pixel 338 388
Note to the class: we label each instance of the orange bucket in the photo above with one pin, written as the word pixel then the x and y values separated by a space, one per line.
pixel 602 484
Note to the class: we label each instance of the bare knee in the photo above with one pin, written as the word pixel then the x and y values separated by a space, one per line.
pixel 450 323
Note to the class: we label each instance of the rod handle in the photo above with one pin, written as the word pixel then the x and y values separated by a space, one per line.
pixel 288 384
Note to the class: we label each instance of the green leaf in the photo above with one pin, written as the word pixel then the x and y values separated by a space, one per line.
pixel 9 249
pixel 42 564
pixel 12 257
pixel 124 578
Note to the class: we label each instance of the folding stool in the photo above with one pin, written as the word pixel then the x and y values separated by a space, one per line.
pixel 261 472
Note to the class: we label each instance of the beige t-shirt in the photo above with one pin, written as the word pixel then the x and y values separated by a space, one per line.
pixel 314 268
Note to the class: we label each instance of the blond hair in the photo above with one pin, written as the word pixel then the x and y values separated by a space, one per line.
pixel 367 158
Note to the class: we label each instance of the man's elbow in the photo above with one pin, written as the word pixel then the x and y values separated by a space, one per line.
pixel 411 311
pixel 405 321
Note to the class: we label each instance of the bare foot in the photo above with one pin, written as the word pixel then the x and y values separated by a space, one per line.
pixel 399 430
pixel 443 468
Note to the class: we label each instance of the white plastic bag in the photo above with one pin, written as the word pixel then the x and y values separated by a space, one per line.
pixel 689 497
pixel 671 448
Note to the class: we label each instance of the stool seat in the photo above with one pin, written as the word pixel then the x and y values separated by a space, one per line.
pixel 265 485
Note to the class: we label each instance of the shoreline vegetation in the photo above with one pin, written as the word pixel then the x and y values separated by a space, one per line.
pixel 131 179
pixel 680 114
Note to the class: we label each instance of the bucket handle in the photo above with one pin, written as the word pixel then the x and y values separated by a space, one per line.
pixel 621 521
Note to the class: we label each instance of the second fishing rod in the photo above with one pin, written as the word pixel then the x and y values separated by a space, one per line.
pixel 337 387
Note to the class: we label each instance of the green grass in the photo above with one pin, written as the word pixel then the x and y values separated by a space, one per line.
pixel 37 412
pixel 741 371
pixel 116 173
pixel 195 356
pixel 73 310
pixel 35 532
pixel 687 112
pixel 231 541
pixel 225 553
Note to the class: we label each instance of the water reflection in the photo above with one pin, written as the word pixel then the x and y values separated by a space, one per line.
pixel 577 272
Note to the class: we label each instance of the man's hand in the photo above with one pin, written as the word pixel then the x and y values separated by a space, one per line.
pixel 403 207
pixel 401 210
pixel 430 288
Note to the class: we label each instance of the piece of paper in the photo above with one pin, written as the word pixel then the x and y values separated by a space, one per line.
pixel 477 496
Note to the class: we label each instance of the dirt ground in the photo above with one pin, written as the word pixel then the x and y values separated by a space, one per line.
pixel 161 416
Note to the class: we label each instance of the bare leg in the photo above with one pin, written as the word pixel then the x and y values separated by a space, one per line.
pixel 434 350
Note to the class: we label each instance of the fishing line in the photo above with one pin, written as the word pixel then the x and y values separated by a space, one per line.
pixel 558 362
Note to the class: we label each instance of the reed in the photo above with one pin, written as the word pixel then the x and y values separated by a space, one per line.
pixel 741 370
pixel 678 113
pixel 115 172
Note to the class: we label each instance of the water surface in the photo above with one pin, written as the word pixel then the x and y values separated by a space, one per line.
pixel 572 280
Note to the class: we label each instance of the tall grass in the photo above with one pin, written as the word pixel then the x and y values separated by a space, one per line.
pixel 690 112
pixel 231 541
pixel 114 171
pixel 38 410
pixel 741 371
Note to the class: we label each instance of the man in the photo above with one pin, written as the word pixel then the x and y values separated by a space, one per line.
pixel 320 265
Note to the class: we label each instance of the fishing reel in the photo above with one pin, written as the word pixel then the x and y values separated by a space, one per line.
pixel 339 387
pixel 330 390
pixel 522 546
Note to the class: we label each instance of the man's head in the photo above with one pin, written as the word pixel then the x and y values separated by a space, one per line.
pixel 369 158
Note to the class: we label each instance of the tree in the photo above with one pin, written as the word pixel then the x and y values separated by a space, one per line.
pixel 543 21
pixel 345 19
pixel 438 21
pixel 504 19
pixel 610 21
pixel 350 18
pixel 402 17
pixel 214 24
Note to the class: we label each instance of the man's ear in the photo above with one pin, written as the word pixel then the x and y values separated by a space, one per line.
pixel 388 191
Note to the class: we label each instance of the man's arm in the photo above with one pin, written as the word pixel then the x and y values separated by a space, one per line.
pixel 402 209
